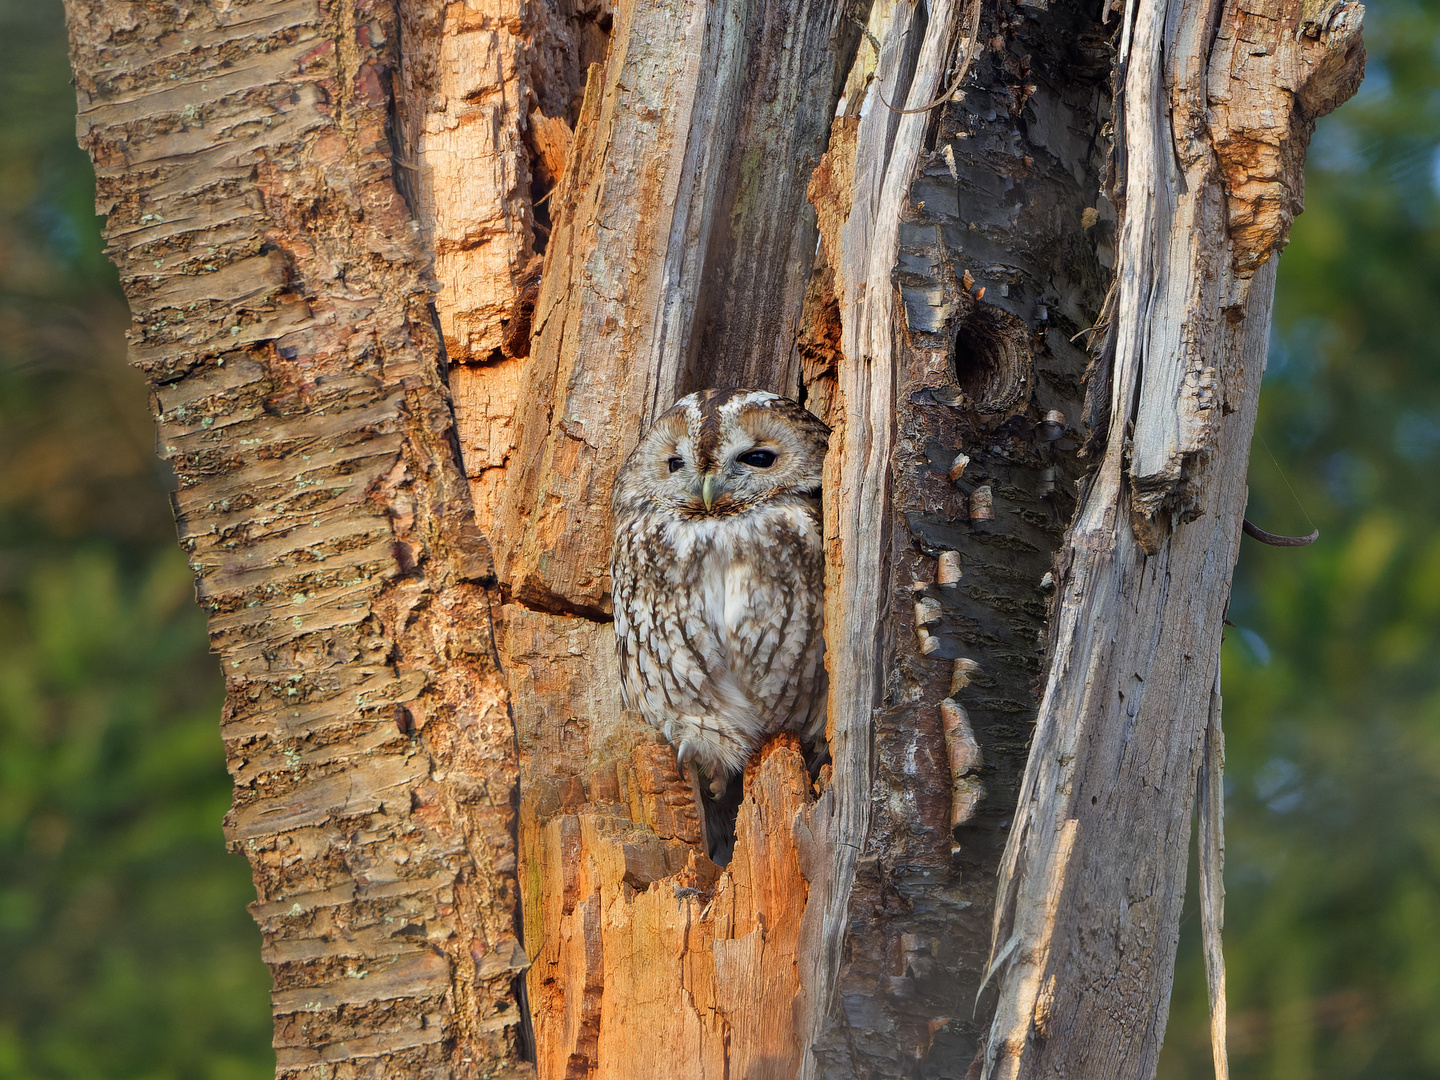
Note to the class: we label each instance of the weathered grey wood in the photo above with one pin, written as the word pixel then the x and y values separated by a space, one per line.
pixel 998 203
pixel 1089 900
pixel 1211 812
pixel 886 151
pixel 1095 873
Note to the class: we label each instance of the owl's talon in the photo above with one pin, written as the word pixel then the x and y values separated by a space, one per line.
pixel 684 753
pixel 718 784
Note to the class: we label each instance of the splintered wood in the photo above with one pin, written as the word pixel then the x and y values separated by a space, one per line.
pixel 681 250
pixel 485 400
pixel 1202 220
pixel 647 960
pixel 1215 122
pixel 654 963
pixel 478 152
pixel 471 169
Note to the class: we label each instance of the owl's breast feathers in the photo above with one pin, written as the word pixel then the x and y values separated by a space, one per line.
pixel 719 626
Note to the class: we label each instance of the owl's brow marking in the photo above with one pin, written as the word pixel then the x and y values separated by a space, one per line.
pixel 707 443
pixel 712 406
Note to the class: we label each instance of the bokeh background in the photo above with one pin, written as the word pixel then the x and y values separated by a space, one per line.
pixel 126 951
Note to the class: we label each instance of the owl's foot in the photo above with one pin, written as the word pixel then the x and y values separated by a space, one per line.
pixel 688 752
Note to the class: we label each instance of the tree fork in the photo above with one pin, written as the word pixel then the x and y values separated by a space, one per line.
pixel 300 198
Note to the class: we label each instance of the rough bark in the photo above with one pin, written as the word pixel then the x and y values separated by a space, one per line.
pixel 280 298
pixel 995 271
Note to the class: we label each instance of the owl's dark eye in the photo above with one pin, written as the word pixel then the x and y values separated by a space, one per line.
pixel 757 459
pixel 676 464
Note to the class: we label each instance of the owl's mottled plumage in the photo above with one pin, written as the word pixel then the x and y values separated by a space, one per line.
pixel 718 576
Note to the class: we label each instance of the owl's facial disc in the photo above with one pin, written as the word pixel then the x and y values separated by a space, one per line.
pixel 719 453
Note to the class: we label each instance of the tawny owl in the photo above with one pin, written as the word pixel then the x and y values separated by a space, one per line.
pixel 718 576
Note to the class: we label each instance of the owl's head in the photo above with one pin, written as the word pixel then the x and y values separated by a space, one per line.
pixel 722 452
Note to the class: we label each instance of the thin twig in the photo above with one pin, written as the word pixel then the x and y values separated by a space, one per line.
pixel 1090 329
pixel 966 60
pixel 1276 462
pixel 865 29
pixel 1275 539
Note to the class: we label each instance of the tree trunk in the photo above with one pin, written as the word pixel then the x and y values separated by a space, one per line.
pixel 376 251
pixel 281 305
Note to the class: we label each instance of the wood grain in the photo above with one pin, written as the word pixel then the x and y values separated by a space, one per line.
pixel 654 962
pixel 681 251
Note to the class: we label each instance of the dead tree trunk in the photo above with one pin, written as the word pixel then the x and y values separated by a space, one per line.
pixel 1019 254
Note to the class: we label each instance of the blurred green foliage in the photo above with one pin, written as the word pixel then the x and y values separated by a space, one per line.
pixel 1332 670
pixel 125 947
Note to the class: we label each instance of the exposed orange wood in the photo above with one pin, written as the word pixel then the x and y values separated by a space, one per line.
pixel 655 964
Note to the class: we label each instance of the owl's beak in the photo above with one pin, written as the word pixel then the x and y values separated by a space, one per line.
pixel 707 490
